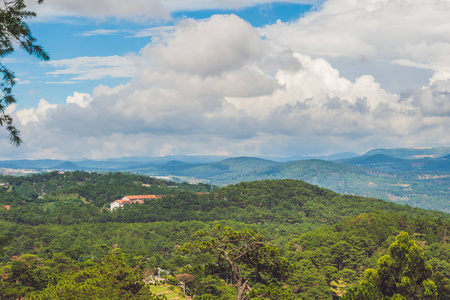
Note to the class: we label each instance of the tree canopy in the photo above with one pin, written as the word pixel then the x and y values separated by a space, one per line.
pixel 243 254
pixel 404 273
pixel 60 221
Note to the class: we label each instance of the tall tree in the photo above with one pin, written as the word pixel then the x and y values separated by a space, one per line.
pixel 14 31
pixel 242 252
pixel 404 273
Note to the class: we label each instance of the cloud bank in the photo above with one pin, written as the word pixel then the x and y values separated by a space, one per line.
pixel 220 86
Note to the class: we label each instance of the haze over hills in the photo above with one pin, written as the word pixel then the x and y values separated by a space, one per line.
pixel 418 177
pixel 115 164
pixel 394 164
pixel 412 153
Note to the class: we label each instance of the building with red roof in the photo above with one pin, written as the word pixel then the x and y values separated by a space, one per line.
pixel 139 199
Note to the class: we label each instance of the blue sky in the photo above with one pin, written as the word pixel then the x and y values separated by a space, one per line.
pixel 71 37
pixel 254 78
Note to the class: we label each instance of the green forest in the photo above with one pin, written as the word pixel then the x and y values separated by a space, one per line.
pixel 271 239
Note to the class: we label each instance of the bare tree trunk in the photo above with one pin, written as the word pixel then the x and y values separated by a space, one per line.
pixel 241 287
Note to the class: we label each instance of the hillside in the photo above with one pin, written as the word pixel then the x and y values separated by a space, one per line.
pixel 389 174
pixel 424 189
pixel 250 202
pixel 421 182
pixel 323 173
pixel 394 164
pixel 99 189
pixel 230 170
pixel 329 238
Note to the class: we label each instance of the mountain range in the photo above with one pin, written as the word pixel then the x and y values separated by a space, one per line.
pixel 416 176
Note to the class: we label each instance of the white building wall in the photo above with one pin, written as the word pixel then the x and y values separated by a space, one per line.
pixel 114 205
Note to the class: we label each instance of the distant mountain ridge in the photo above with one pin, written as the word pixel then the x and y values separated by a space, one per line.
pixel 412 153
pixel 423 182
pixel 151 164
pixel 394 164
pixel 336 156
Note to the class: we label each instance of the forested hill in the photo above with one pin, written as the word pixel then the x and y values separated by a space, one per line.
pixel 95 188
pixel 418 177
pixel 373 177
pixel 77 197
pixel 62 233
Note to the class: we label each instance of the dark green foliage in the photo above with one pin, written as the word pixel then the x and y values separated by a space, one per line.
pixel 243 255
pixel 95 188
pixel 28 273
pixel 4 240
pixel 365 291
pixel 404 273
pixel 419 182
pixel 272 292
pixel 330 239
pixel 75 198
pixel 29 277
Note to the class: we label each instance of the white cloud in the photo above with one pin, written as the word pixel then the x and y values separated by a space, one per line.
pixel 80 99
pixel 19 81
pixel 217 87
pixel 432 56
pixel 136 10
pixel 92 68
pixel 139 10
pixel 153 31
pixel 370 34
pixel 103 32
pixel 32 115
pixel 221 43
pixel 62 82
pixel 309 109
pixel 180 5
pixel 142 33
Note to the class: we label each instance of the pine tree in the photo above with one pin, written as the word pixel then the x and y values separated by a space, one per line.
pixel 14 31
pixel 404 273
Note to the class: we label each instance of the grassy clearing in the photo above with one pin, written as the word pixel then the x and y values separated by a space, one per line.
pixel 171 292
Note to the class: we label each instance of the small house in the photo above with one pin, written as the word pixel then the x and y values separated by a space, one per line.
pixel 132 200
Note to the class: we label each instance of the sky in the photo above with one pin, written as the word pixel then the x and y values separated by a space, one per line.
pixel 235 78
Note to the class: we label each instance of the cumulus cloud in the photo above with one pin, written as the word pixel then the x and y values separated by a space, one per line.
pixel 368 35
pixel 309 108
pixel 343 28
pixel 80 99
pixel 216 87
pixel 205 48
pixel 32 115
